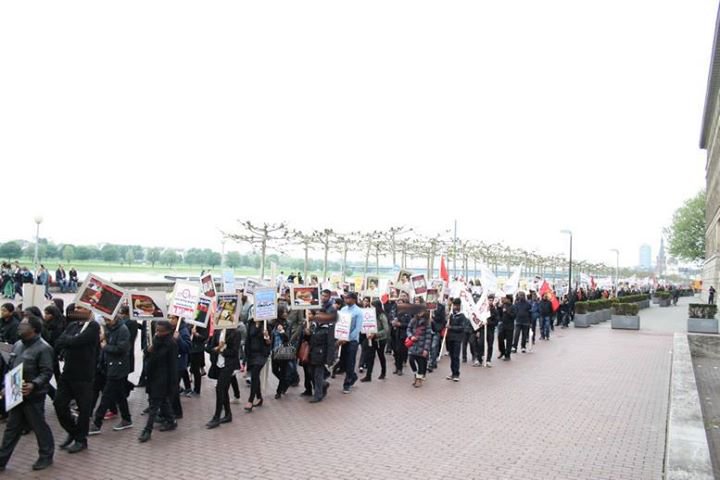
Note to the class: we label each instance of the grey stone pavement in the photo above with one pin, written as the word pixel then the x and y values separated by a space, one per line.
pixel 589 404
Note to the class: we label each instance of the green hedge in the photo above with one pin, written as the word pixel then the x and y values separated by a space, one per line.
pixel 628 309
pixel 581 308
pixel 632 298
pixel 663 295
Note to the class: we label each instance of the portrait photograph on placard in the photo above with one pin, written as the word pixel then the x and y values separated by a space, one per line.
pixel 207 285
pixel 419 285
pixel 100 296
pixel 304 298
pixel 432 297
pixel 228 310
pixel 202 313
pixel 150 305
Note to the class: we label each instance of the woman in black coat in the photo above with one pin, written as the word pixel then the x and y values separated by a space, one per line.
pixel 223 347
pixel 257 349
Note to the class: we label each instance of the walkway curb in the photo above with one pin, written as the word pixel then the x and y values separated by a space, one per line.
pixel 687 455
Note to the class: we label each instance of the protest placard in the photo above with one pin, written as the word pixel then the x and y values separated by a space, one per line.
pixel 265 304
pixel 252 284
pixel 342 326
pixel 304 298
pixel 202 312
pixel 99 296
pixel 207 285
pixel 147 305
pixel 369 324
pixel 13 388
pixel 227 314
pixel 228 281
pixel 419 285
pixel 432 297
pixel 184 299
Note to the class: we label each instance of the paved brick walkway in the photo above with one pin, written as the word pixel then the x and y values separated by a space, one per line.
pixel 589 404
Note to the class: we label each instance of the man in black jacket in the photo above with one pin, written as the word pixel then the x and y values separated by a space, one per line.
pixel 438 323
pixel 9 321
pixel 36 357
pixel 78 345
pixel 455 333
pixel 523 318
pixel 399 323
pixel 115 362
pixel 162 377
pixel 506 326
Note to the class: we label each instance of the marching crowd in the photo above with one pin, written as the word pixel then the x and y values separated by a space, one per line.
pixel 91 358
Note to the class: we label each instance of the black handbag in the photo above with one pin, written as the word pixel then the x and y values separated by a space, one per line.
pixel 214 372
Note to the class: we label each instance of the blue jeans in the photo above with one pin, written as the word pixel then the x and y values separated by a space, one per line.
pixel 435 350
pixel 546 322
pixel 350 376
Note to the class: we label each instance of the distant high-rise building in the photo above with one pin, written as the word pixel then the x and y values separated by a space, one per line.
pixel 661 261
pixel 645 257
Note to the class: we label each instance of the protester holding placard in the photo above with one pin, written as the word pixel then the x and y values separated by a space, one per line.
pixel 400 321
pixel 523 318
pixel 36 357
pixel 419 341
pixel 224 349
pixel 78 346
pixel 377 343
pixel 282 351
pixel 198 338
pixel 457 325
pixel 162 379
pixel 257 349
pixel 352 342
pixel 53 326
pixel 183 341
pixel 115 362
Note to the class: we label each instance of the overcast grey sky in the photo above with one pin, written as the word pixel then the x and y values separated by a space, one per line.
pixel 158 122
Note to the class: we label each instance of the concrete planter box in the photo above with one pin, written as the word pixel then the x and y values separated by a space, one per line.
pixel 582 320
pixel 655 300
pixel 594 317
pixel 607 313
pixel 625 322
pixel 702 325
pixel 644 304
pixel 665 302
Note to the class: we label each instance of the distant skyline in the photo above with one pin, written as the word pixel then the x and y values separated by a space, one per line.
pixel 518 119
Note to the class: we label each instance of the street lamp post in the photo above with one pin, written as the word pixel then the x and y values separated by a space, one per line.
pixel 38 221
pixel 617 268
pixel 568 232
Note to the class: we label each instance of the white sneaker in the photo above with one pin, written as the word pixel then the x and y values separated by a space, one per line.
pixel 456 379
pixel 449 377
pixel 488 365
pixel 477 364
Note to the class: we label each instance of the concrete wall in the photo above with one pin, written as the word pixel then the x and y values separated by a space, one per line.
pixel 711 270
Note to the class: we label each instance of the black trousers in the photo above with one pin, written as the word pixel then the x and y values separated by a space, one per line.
pixel 468 339
pixel 476 344
pixel 318 377
pixel 454 347
pixel 235 386
pixel 308 378
pixel 255 391
pixel 525 331
pixel 222 393
pixel 82 393
pixel 197 362
pixel 113 394
pixel 377 348
pixel 505 339
pixel 159 406
pixel 29 414
pixel 175 400
pixel 401 354
pixel 418 364
pixel 280 370
pixel 489 332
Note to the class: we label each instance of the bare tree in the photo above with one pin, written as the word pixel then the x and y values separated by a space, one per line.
pixel 306 241
pixel 393 236
pixel 344 243
pixel 325 238
pixel 266 236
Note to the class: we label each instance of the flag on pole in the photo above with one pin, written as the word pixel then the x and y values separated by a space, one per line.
pixel 443 270
pixel 545 288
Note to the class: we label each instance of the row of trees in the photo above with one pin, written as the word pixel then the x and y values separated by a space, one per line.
pixel 402 244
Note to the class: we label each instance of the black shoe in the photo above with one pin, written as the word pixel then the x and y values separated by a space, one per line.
pixel 213 423
pixel 77 447
pixel 226 419
pixel 141 384
pixel 315 400
pixel 68 441
pixel 381 377
pixel 306 393
pixel 399 373
pixel 326 385
pixel 168 427
pixel 42 464
pixel 144 436
pixel 366 379
pixel 278 396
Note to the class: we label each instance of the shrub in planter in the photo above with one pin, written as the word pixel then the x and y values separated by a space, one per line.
pixel 702 310
pixel 581 308
pixel 625 316
pixel 625 309
pixel 663 295
pixel 702 318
